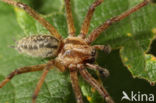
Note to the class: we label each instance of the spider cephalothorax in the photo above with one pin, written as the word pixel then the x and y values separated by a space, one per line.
pixel 73 53
pixel 76 51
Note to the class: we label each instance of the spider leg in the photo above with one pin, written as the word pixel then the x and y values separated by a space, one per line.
pixel 95 84
pixel 95 33
pixel 105 48
pixel 75 85
pixel 35 15
pixel 102 71
pixel 71 28
pixel 40 82
pixel 42 78
pixel 22 70
pixel 86 22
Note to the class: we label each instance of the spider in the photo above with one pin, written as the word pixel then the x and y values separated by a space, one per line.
pixel 74 52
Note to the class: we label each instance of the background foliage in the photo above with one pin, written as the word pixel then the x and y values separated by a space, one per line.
pixel 130 39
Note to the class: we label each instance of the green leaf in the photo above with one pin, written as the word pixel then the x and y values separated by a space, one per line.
pixel 131 53
pixel 57 86
pixel 132 35
pixel 150 70
pixel 90 93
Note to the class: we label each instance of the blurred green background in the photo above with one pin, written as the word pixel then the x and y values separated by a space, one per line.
pixel 57 87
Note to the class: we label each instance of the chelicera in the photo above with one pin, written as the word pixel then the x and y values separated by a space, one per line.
pixel 74 52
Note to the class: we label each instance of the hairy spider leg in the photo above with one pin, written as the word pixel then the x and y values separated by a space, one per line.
pixel 95 84
pixel 96 32
pixel 86 22
pixel 41 80
pixel 105 48
pixel 75 85
pixel 102 71
pixel 46 69
pixel 21 71
pixel 70 22
pixel 36 16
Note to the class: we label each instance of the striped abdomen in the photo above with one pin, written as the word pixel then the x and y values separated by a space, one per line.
pixel 38 46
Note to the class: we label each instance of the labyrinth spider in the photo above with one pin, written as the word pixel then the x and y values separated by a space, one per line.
pixel 74 53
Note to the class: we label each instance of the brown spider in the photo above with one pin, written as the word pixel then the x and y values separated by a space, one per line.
pixel 74 53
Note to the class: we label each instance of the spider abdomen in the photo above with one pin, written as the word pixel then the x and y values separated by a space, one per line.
pixel 38 46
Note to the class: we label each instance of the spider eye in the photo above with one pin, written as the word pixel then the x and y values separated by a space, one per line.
pixel 93 53
pixel 92 60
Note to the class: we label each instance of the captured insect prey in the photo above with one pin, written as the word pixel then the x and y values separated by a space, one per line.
pixel 75 54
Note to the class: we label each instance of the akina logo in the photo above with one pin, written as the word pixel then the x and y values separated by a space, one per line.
pixel 138 96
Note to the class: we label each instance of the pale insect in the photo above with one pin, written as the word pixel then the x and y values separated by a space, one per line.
pixel 73 53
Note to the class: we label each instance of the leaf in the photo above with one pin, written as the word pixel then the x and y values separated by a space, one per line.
pixel 150 70
pixel 57 87
pixel 132 32
pixel 90 93
pixel 135 53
